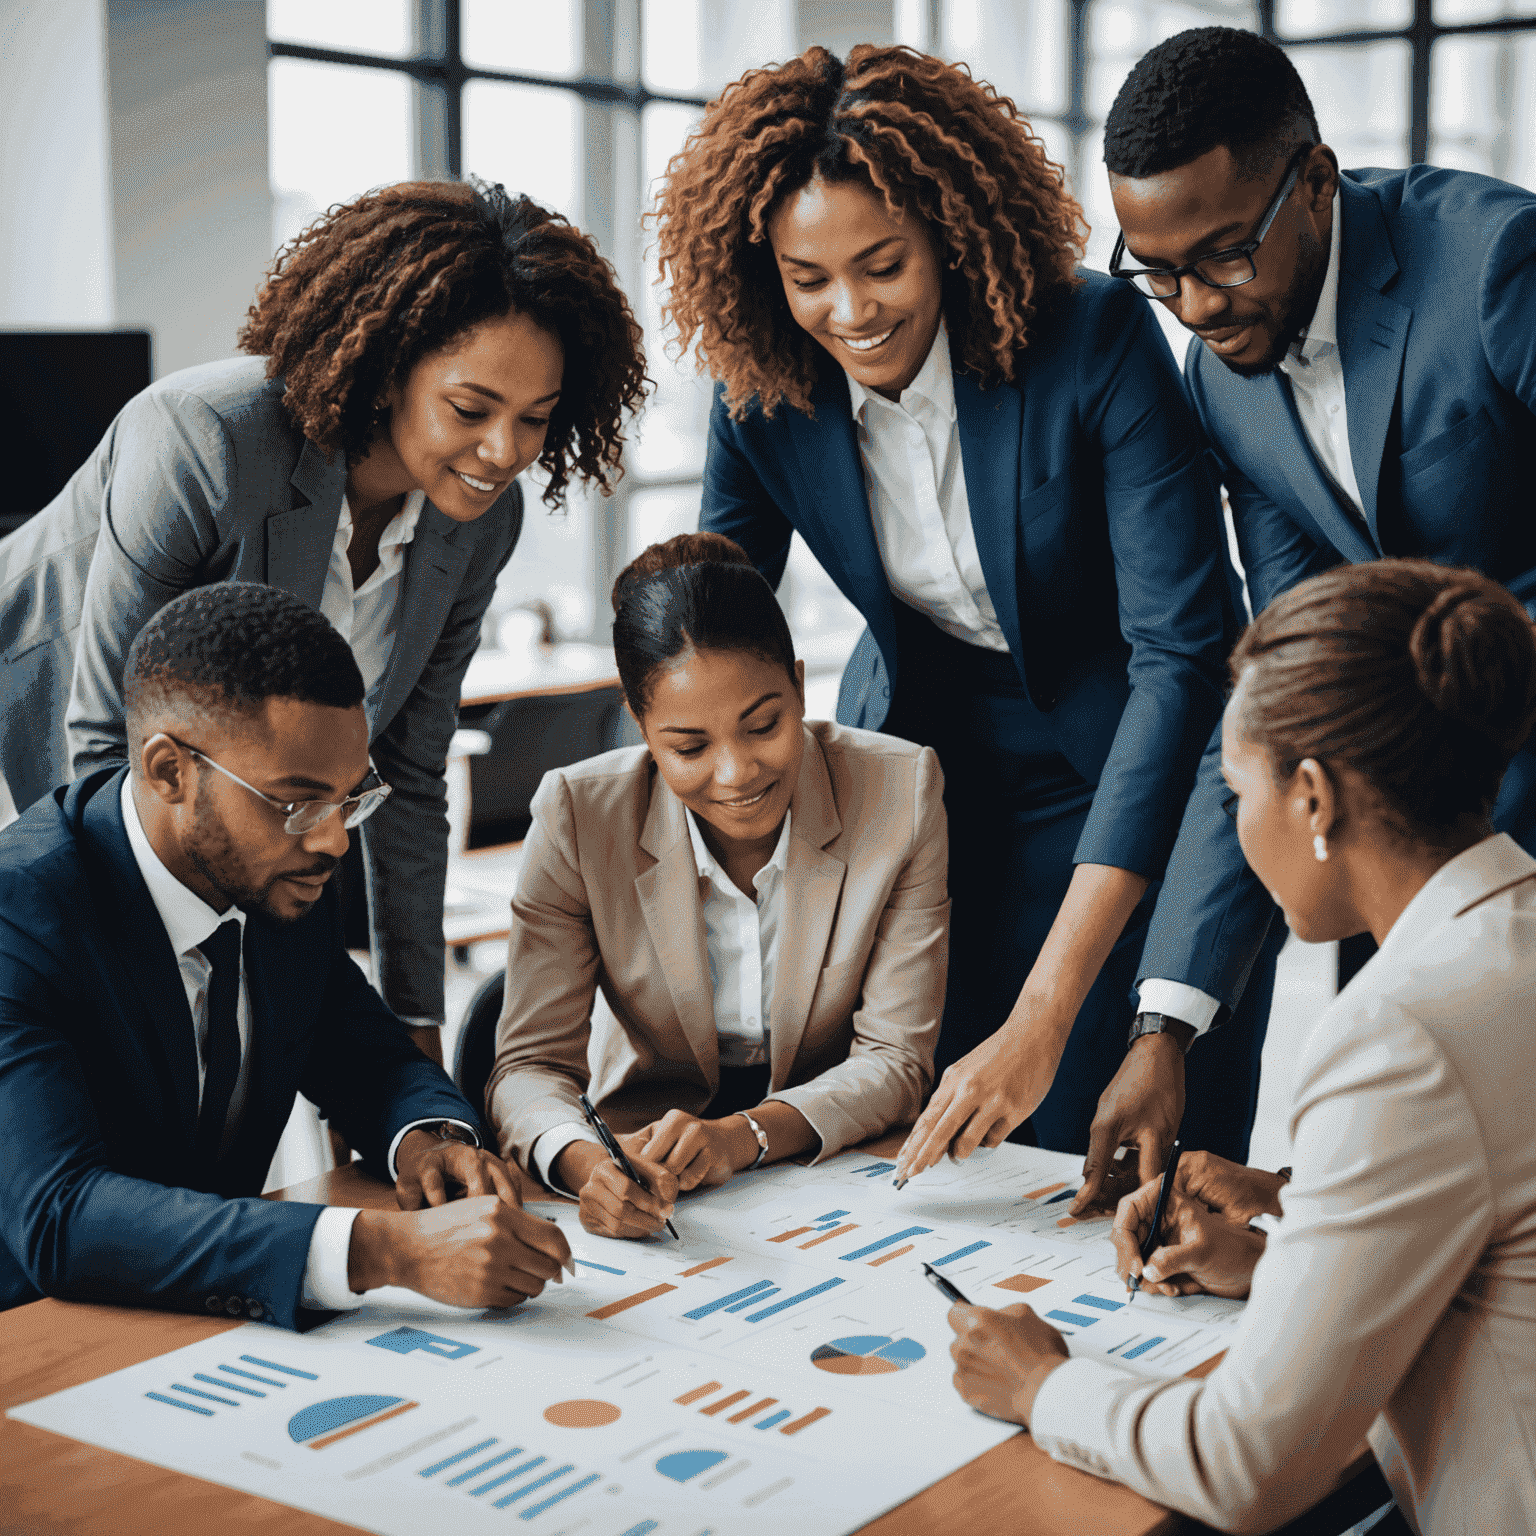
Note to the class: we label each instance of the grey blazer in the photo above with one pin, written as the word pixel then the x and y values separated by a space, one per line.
pixel 204 477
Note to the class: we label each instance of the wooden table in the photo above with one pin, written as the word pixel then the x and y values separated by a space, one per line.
pixel 51 1484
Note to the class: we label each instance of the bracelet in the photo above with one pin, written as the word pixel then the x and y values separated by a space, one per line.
pixel 762 1141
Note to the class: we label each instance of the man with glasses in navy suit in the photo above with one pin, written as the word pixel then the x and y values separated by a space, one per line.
pixel 1364 371
pixel 172 972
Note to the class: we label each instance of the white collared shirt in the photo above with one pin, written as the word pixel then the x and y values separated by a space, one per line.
pixel 366 618
pixel 922 518
pixel 741 941
pixel 1316 372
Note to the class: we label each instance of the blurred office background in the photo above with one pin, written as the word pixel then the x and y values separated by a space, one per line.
pixel 156 153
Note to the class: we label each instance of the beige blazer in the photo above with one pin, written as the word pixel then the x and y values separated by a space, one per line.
pixel 608 899
pixel 1398 1295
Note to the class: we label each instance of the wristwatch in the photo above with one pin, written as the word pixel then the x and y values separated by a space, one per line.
pixel 1161 1024
pixel 762 1140
pixel 451 1130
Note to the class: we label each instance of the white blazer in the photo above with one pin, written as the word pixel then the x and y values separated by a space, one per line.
pixel 1398 1295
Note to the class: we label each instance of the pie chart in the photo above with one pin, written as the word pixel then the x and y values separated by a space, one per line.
pixel 337 1418
pixel 867 1354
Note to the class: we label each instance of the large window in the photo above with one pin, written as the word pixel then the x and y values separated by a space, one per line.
pixel 580 103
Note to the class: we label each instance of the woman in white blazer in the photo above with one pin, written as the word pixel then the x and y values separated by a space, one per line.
pixel 1376 709
pixel 762 902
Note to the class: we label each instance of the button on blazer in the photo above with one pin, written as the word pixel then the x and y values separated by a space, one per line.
pixel 608 899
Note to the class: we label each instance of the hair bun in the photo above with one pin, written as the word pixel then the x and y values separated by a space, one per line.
pixel 1474 656
pixel 685 549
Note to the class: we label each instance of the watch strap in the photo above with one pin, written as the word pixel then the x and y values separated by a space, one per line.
pixel 762 1141
pixel 1146 1023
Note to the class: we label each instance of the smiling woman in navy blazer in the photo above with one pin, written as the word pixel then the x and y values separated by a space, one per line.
pixel 989 452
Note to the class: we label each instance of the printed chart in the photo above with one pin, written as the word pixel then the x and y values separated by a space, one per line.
pixel 755 1376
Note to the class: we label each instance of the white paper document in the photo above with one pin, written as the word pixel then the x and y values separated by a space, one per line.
pixel 784 1367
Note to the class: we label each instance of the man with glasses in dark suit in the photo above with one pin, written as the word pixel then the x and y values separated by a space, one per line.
pixel 172 972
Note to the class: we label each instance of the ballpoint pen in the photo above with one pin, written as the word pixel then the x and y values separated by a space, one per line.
pixel 1149 1243
pixel 948 1287
pixel 614 1150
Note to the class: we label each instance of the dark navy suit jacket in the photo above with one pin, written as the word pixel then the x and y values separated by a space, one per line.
pixel 1437 336
pixel 101 1195
pixel 1099 534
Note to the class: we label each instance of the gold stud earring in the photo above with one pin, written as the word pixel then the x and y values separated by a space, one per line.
pixel 1320 848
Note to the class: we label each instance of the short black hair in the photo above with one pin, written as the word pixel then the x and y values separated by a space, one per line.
pixel 1201 88
pixel 234 645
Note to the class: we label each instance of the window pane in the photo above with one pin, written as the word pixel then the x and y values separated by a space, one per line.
pixel 1364 91
pixel 527 138
pixel 1314 18
pixel 526 39
pixel 1119 32
pixel 1020 46
pixel 360 26
pixel 333 132
pixel 661 514
pixel 553 562
pixel 1483 106
pixel 1451 12
pixel 682 55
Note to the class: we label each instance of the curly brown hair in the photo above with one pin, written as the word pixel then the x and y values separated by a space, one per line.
pixel 924 135
pixel 360 297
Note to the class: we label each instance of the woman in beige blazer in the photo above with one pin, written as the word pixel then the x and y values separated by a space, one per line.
pixel 762 903
pixel 1392 1273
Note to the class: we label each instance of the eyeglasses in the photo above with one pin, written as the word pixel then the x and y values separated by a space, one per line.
pixel 1230 268
pixel 300 816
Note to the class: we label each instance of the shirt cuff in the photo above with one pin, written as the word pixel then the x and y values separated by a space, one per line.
pixel 417 1021
pixel 551 1144
pixel 1189 1005
pixel 325 1271
pixel 405 1130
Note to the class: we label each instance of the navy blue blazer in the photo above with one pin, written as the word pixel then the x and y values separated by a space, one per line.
pixel 101 1195
pixel 1099 533
pixel 1437 336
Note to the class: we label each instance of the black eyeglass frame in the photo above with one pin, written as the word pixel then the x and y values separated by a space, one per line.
pixel 308 814
pixel 1192 269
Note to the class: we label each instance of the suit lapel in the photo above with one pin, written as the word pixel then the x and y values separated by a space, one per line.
pixel 669 900
pixel 299 540
pixel 1373 334
pixel 990 424
pixel 813 884
pixel 143 949
pixel 430 581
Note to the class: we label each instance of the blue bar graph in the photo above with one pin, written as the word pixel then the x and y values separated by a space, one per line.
pixel 772 1419
pixel 644 1528
pixel 1141 1349
pixel 959 1253
pixel 1100 1302
pixel 160 1397
pixel 287 1370
pixel 484 1466
pixel 752 1301
pixel 534 1510
pixel 725 1301
pixel 873 1170
pixel 1066 1194
pixel 831 1215
pixel 538 1482
pixel 1075 1318
pixel 606 1268
pixel 448 1461
pixel 790 1301
pixel 885 1242
pixel 506 1477
pixel 266 1381
pixel 229 1386
pixel 212 1397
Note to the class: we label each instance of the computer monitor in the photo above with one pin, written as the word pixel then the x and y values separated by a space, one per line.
pixel 59 391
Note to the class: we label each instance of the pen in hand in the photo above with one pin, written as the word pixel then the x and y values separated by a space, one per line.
pixel 948 1287
pixel 1150 1241
pixel 615 1151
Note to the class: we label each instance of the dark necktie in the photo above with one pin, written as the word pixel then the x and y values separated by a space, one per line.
pixel 221 1047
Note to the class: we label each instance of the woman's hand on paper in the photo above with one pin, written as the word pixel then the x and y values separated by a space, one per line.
pixel 702 1154
pixel 612 1205
pixel 1002 1357
pixel 1228 1188
pixel 1200 1250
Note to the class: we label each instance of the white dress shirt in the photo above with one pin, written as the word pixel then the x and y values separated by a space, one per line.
pixel 1316 373
pixel 911 454
pixel 1397 1298
pixel 741 941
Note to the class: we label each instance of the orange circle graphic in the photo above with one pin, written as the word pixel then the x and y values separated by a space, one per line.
pixel 581 1413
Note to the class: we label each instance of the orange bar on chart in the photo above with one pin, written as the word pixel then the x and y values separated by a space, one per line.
pixel 757 1407
pixel 895 1253
pixel 698 1392
pixel 826 1237
pixel 1206 1366
pixel 784 1237
pixel 1021 1283
pixel 725 1402
pixel 1072 1221
pixel 796 1425
pixel 698 1269
pixel 353 1429
pixel 1050 1189
pixel 615 1307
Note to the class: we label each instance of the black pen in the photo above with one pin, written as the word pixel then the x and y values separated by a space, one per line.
pixel 1149 1243
pixel 949 1288
pixel 614 1150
